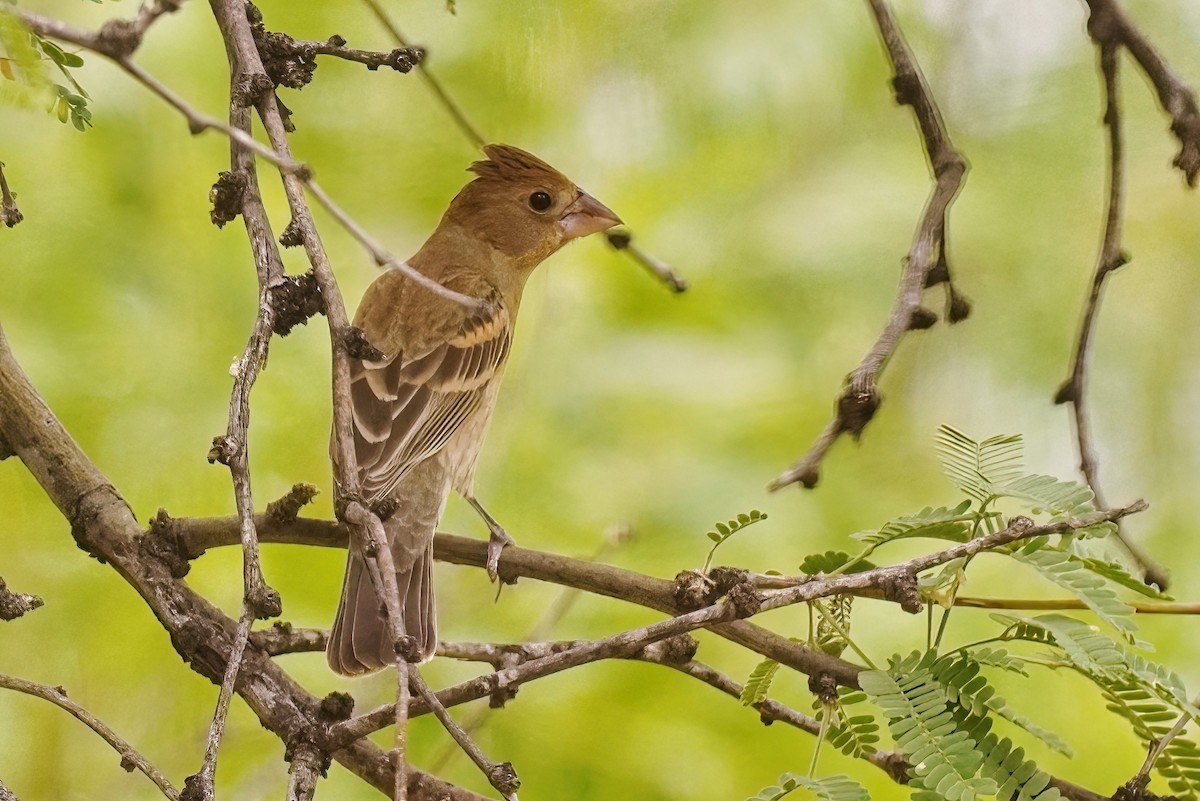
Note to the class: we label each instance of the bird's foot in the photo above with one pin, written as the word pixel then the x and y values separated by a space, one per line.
pixel 497 541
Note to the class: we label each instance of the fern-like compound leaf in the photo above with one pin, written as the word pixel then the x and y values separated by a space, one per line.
pixel 978 467
pixel 830 788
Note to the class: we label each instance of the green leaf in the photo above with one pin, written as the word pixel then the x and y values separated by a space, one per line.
pixel 1049 495
pixel 714 536
pixel 724 529
pixel 1072 574
pixel 940 523
pixel 945 759
pixel 977 467
pixel 999 658
pixel 853 735
pixel 1087 648
pixel 1117 574
pixel 966 686
pixel 830 561
pixel 71 60
pixel 829 639
pixel 831 788
pixel 52 51
pixel 758 684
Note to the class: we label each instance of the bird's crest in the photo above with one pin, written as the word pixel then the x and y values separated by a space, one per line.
pixel 508 163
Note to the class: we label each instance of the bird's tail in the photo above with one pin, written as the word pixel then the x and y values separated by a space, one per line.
pixel 360 640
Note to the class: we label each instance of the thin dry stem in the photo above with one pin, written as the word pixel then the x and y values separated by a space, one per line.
pixel 131 759
pixel 860 397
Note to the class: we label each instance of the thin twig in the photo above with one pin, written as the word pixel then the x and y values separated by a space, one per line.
pixel 202 783
pixel 620 241
pixel 1067 604
pixel 898 582
pixel 401 59
pixel 199 122
pixel 381 256
pixel 130 758
pixel 860 397
pixel 382 571
pixel 1159 746
pixel 1108 29
pixel 259 600
pixel 1176 97
pixel 103 525
pixel 623 241
pixel 435 86
pixel 500 775
pixel 541 630
pixel 769 710
pixel 10 215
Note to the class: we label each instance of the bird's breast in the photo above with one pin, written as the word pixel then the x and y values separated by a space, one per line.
pixel 462 449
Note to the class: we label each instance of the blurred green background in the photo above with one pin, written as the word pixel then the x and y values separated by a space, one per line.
pixel 753 145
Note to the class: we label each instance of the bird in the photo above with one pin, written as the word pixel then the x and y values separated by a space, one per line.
pixel 423 395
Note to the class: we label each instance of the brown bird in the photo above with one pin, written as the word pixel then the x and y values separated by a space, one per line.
pixel 422 410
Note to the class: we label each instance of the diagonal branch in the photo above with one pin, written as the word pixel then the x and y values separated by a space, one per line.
pixel 618 240
pixel 189 538
pixel 103 525
pixel 1176 97
pixel 293 171
pixel 926 262
pixel 130 758
pixel 1111 30
pixel 898 583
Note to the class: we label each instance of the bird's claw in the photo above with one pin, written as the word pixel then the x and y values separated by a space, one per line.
pixel 497 541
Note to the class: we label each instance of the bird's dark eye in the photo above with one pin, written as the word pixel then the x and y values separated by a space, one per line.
pixel 539 201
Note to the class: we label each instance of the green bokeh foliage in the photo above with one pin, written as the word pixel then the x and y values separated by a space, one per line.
pixel 753 145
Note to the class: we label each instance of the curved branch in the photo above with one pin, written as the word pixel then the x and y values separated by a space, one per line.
pixel 925 264
pixel 130 758
pixel 103 525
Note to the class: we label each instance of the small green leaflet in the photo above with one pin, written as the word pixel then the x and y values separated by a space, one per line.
pixel 831 788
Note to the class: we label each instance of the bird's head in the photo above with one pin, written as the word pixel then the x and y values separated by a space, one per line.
pixel 525 208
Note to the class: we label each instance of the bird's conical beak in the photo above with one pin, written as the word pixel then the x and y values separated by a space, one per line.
pixel 587 216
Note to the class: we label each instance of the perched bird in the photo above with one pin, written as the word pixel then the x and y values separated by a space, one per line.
pixel 422 409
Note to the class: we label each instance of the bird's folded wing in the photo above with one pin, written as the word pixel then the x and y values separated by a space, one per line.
pixel 407 406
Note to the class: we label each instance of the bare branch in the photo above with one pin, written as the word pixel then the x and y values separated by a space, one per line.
pixel 1110 29
pixel 501 775
pixel 1175 96
pixel 10 215
pixel 199 787
pixel 460 119
pixel 282 638
pixel 103 525
pixel 307 766
pixel 623 240
pixel 15 604
pixel 769 711
pixel 199 122
pixel 7 794
pixel 619 241
pixel 382 570
pixel 130 759
pixel 189 538
pixel 860 397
